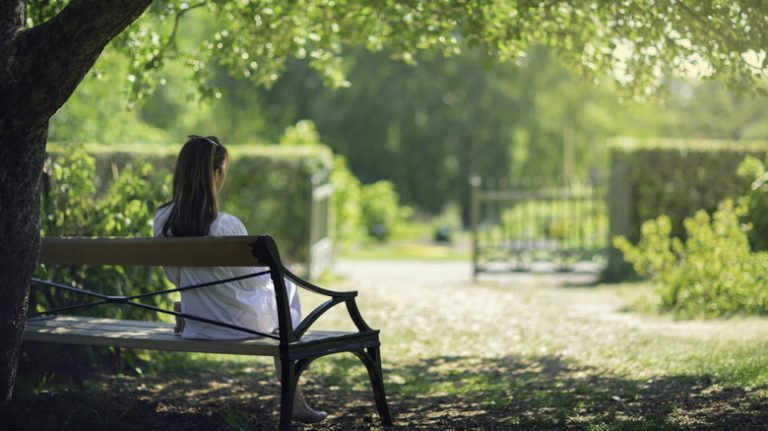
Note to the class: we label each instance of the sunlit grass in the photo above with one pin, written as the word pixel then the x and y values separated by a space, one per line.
pixel 406 250
pixel 412 240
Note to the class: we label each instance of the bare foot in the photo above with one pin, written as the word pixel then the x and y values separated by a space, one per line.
pixel 302 412
pixel 308 415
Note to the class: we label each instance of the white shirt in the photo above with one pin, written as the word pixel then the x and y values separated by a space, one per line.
pixel 249 303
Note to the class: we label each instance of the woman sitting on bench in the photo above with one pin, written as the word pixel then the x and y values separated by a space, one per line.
pixel 194 211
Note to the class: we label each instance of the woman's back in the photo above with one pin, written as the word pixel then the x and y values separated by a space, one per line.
pixel 249 303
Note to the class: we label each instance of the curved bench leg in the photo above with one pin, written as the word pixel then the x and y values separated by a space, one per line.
pixel 288 380
pixel 371 357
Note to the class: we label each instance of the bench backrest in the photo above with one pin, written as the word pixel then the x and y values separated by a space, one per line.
pixel 188 251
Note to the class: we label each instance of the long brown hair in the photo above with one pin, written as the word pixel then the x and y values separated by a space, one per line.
pixel 195 197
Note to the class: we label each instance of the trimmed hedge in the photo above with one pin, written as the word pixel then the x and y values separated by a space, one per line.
pixel 679 177
pixel 268 187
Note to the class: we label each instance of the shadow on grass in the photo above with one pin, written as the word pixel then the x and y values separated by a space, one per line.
pixel 439 393
pixel 546 392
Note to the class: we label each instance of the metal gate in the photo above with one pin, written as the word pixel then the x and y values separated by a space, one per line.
pixel 538 225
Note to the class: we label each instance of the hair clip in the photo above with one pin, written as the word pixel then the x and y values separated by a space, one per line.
pixel 206 138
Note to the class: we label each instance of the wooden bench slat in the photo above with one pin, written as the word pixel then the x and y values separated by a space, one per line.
pixel 100 321
pixel 188 251
pixel 137 334
pixel 132 326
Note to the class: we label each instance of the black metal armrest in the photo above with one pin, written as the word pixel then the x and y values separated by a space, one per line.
pixel 354 314
pixel 336 298
pixel 317 289
pixel 265 250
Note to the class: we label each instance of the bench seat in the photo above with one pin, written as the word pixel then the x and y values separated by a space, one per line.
pixel 138 334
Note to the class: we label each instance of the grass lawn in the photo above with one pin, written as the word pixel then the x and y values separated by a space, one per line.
pixel 407 250
pixel 414 241
pixel 510 352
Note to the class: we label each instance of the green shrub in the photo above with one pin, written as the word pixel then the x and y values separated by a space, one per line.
pixel 380 209
pixel 303 134
pixel 755 199
pixel 679 177
pixel 712 273
pixel 71 207
pixel 347 218
pixel 345 224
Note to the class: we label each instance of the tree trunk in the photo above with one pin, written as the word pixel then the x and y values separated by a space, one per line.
pixel 21 160
pixel 40 67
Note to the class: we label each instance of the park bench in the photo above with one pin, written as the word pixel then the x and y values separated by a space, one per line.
pixel 295 348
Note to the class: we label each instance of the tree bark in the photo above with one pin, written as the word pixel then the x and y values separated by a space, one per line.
pixel 12 14
pixel 39 69
pixel 21 160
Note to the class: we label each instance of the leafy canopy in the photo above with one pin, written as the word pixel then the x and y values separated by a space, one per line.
pixel 637 42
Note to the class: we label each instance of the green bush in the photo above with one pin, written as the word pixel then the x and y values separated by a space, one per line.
pixel 679 177
pixel 303 134
pixel 380 209
pixel 345 225
pixel 755 199
pixel 71 207
pixel 347 217
pixel 712 273
pixel 364 209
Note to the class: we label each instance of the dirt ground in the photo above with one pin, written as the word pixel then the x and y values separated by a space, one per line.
pixel 505 352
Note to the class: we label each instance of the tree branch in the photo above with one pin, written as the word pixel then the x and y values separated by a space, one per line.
pixel 728 42
pixel 705 26
pixel 52 58
pixel 172 38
